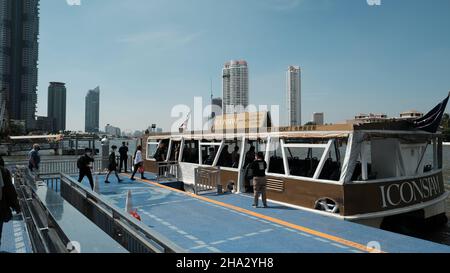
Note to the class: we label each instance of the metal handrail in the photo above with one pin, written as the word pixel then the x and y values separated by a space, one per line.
pixel 57 166
pixel 119 225
pixel 167 170
pixel 68 166
pixel 207 179
pixel 45 234
pixel 122 227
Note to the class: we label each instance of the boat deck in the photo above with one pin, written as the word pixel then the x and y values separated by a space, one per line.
pixel 213 223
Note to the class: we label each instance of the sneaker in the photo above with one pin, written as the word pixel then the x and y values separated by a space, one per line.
pixel 144 178
pixel 255 206
pixel 107 182
pixel 132 179
pixel 266 206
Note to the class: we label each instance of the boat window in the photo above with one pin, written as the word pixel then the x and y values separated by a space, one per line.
pixel 230 155
pixel 303 161
pixel 412 158
pixel 428 161
pixel 190 152
pixel 333 161
pixel 175 151
pixel 154 145
pixel 276 164
pixel 304 157
pixel 160 146
pixel 151 149
pixel 251 148
pixel 209 151
pixel 382 158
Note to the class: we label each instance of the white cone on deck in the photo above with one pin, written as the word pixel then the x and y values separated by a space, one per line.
pixel 129 202
pixel 96 184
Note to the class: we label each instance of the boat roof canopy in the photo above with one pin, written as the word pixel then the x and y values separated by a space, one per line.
pixel 18 138
pixel 381 129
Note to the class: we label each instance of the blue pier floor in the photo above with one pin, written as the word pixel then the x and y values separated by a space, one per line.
pixel 14 237
pixel 227 223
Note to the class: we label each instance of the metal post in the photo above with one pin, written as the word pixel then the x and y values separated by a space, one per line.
pixel 76 144
pixel 93 144
pixel 105 152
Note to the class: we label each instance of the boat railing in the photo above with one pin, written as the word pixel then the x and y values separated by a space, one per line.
pixel 207 179
pixel 167 171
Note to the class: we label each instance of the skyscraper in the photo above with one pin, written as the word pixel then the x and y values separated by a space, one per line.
pixel 318 118
pixel 216 105
pixel 113 131
pixel 235 86
pixel 19 30
pixel 57 105
pixel 92 115
pixel 294 96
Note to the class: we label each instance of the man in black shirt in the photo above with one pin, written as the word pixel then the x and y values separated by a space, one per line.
pixel 160 154
pixel 123 151
pixel 112 165
pixel 258 168
pixel 84 163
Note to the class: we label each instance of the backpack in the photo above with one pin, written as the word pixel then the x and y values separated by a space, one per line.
pixel 112 158
pixel 80 163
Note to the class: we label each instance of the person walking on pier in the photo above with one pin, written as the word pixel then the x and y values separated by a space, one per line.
pixel 84 164
pixel 138 163
pixel 34 159
pixel 123 151
pixel 8 197
pixel 259 167
pixel 112 166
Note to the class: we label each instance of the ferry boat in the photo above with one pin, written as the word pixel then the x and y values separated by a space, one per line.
pixel 366 173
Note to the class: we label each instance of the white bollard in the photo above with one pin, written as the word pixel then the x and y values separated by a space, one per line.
pixel 129 202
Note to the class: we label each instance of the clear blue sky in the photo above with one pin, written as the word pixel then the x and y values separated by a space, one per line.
pixel 149 55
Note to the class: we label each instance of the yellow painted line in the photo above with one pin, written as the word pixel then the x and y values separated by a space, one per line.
pixel 271 219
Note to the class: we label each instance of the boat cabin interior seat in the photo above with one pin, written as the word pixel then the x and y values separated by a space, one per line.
pixel 331 170
pixel 276 165
pixel 357 173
